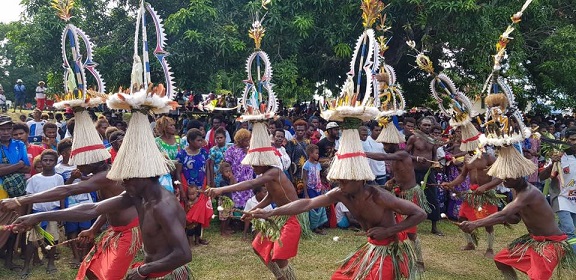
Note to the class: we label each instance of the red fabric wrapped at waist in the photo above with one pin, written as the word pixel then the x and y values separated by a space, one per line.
pixel 135 222
pixel 401 236
pixel 555 238
pixel 474 187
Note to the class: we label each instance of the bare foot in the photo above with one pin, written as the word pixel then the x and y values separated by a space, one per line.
pixel 25 273
pixel 12 266
pixel 437 232
pixel 319 231
pixel 489 254
pixel 468 247
pixel 203 241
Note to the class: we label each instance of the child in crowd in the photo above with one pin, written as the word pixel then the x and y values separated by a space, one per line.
pixel 259 194
pixel 71 175
pixel 193 226
pixel 227 179
pixel 49 140
pixel 344 218
pixel 312 181
pixel 194 168
pixel 217 153
pixel 37 164
pixel 47 179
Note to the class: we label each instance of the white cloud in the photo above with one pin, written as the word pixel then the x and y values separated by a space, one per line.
pixel 10 10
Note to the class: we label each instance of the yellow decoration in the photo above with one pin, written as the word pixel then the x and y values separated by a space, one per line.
pixel 257 32
pixel 371 10
pixel 63 8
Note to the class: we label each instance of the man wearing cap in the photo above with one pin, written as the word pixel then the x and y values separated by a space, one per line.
pixel 41 95
pixel 329 144
pixel 19 94
pixel 14 165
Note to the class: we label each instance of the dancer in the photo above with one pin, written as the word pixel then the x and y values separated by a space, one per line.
pixel 404 185
pixel 481 201
pixel 538 253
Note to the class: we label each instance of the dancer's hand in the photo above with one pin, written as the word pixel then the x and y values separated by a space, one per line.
pixel 467 226
pixel 8 204
pixel 86 236
pixel 246 217
pixel 24 223
pixel 379 233
pixel 260 213
pixel 133 275
pixel 213 192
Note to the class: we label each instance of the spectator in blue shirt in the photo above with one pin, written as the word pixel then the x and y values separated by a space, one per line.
pixel 19 94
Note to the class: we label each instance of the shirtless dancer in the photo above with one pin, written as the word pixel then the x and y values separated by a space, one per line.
pixel 404 185
pixel 420 148
pixel 538 253
pixel 162 222
pixel 375 210
pixel 480 183
pixel 281 192
pixel 110 262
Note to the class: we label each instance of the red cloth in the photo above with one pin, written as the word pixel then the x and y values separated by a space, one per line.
pixel 153 274
pixel 289 236
pixel 201 212
pixel 33 151
pixel 473 214
pixel 535 266
pixel 112 262
pixel 113 154
pixel 332 221
pixel 387 271
pixel 40 103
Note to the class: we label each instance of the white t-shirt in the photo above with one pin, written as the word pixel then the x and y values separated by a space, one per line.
pixel 253 202
pixel 567 197
pixel 341 211
pixel 371 146
pixel 36 128
pixel 40 92
pixel 39 183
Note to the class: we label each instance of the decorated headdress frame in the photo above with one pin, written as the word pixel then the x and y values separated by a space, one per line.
pixel 75 68
pixel 501 107
pixel 140 77
pixel 253 99
pixel 348 104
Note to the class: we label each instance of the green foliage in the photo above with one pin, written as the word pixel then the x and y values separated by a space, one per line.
pixel 310 43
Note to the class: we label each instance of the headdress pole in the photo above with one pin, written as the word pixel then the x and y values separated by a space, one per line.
pixel 502 114
pixel 261 152
pixel 387 93
pixel 449 97
pixel 87 146
pixel 139 157
pixel 350 162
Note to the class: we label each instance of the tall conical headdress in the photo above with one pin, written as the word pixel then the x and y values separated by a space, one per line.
pixel 87 145
pixel 352 107
pixel 256 108
pixel 139 157
pixel 452 102
pixel 504 123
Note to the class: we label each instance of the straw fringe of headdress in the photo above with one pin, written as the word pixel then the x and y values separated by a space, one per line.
pixel 139 156
pixel 351 107
pixel 504 124
pixel 256 110
pixel 390 133
pixel 87 145
pixel 451 101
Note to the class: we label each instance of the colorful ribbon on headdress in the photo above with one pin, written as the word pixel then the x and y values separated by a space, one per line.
pixel 265 149
pixel 350 155
pixel 86 149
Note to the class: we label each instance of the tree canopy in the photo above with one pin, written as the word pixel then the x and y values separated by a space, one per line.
pixel 310 43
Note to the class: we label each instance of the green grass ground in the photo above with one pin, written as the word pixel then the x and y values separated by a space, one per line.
pixel 232 258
